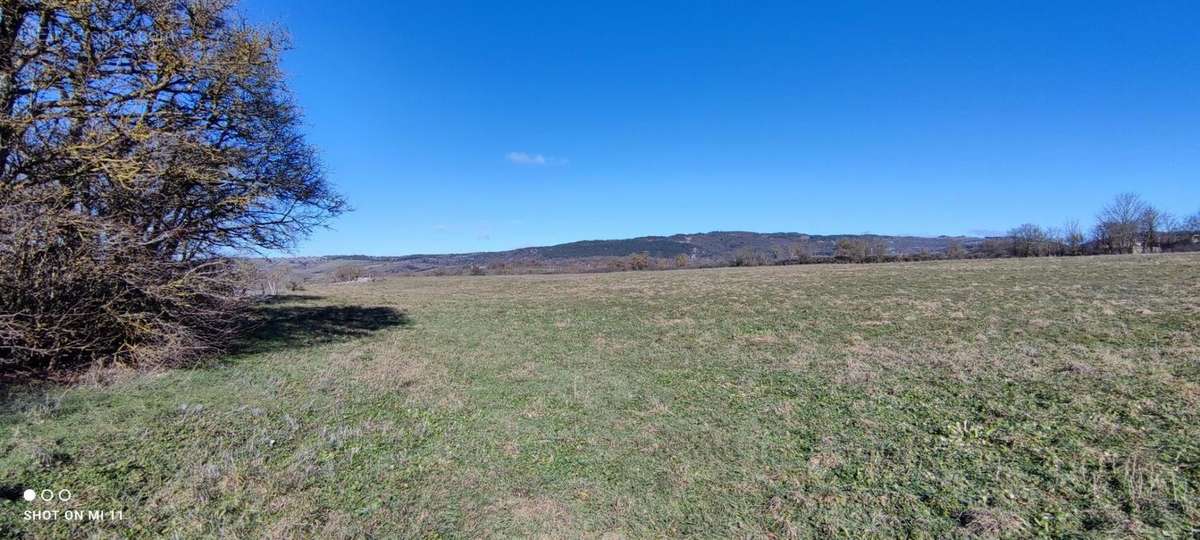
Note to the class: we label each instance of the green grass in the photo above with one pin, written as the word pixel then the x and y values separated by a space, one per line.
pixel 1054 397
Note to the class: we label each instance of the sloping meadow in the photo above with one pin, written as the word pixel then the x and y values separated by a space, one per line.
pixel 999 398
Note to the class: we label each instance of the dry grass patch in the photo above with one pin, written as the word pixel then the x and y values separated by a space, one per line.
pixel 540 517
pixel 992 523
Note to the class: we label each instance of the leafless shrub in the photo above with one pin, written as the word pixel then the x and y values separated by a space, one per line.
pixel 1029 240
pixel 851 250
pixel 347 272
pixel 639 261
pixel 77 293
pixel 954 250
pixel 878 249
pixel 801 250
pixel 748 257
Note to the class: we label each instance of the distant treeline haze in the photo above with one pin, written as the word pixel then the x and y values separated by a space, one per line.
pixel 1128 224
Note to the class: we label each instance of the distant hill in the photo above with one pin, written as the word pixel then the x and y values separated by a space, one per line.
pixel 717 248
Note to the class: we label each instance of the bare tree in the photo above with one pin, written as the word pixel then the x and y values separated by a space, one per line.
pixel 1029 240
pixel 1056 245
pixel 851 249
pixel 1118 224
pixel 1172 231
pixel 1072 237
pixel 150 139
pixel 954 250
pixel 1192 223
pixel 748 257
pixel 801 250
pixel 347 272
pixel 1187 231
pixel 996 247
pixel 878 249
pixel 1153 227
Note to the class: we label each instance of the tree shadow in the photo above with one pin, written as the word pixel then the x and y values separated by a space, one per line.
pixel 277 323
pixel 272 326
pixel 286 299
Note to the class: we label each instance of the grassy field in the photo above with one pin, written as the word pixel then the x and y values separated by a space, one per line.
pixel 1054 397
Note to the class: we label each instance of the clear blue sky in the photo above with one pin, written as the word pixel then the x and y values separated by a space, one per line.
pixel 454 126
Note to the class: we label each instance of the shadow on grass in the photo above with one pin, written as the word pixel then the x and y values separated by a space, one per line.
pixel 277 323
pixel 275 327
pixel 286 299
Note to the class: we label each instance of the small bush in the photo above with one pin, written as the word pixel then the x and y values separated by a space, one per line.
pixel 347 272
pixel 639 261
pixel 748 257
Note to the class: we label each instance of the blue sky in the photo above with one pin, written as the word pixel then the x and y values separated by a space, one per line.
pixel 456 126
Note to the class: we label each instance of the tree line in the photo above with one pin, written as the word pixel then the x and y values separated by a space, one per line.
pixel 1127 224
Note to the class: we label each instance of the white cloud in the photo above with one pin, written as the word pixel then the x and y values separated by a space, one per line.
pixel 525 158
